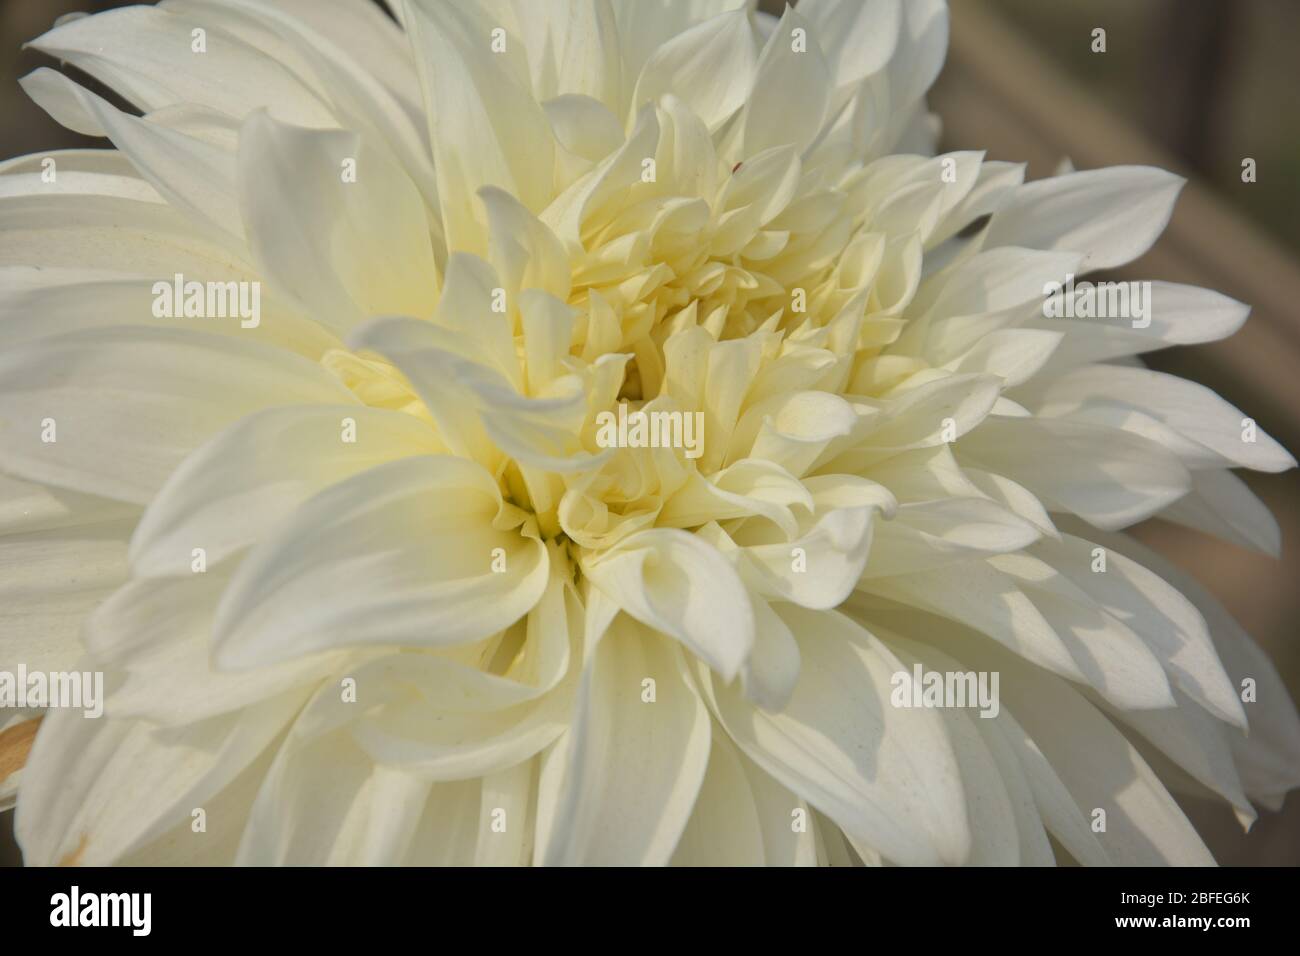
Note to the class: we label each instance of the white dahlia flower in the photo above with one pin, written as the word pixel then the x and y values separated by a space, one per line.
pixel 578 431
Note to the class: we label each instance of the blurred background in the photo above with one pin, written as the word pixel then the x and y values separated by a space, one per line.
pixel 1195 86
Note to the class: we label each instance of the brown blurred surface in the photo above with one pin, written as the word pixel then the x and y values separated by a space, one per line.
pixel 1192 85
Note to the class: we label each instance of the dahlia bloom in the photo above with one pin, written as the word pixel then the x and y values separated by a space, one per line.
pixel 369 584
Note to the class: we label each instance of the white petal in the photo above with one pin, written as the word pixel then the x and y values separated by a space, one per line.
pixel 94 790
pixel 724 829
pixel 345 249
pixel 361 563
pixel 1109 655
pixel 485 125
pixel 39 303
pixel 995 834
pixel 675 583
pixel 50 580
pixel 1062 817
pixel 1109 478
pixel 818 569
pixel 573 47
pixel 96 172
pixel 643 28
pixel 780 812
pixel 1191 410
pixel 1014 355
pixel 425 716
pixel 751 486
pixel 789 99
pixel 1144 826
pixel 523 250
pixel 104 232
pixel 158 634
pixel 586 132
pixel 145 53
pixel 192 175
pixel 710 67
pixel 227 494
pixel 858 37
pixel 1196 744
pixel 791 430
pixel 1110 215
pixel 324 802
pixel 1169 623
pixel 772 671
pixel 1222 504
pixel 986 600
pixel 993 280
pixel 451 828
pixel 572 214
pixel 130 403
pixel 1178 314
pixel 936 533
pixel 508 799
pixel 367 35
pixel 633 769
pixel 1269 756
pixel 887 775
pixel 919 55
pixel 380 100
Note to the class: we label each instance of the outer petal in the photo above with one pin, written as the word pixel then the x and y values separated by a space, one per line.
pixel 49 581
pixel 1193 411
pixel 1102 770
pixel 227 494
pixel 145 53
pixel 1108 477
pixel 129 403
pixel 94 790
pixel 1110 215
pixel 157 633
pixel 192 175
